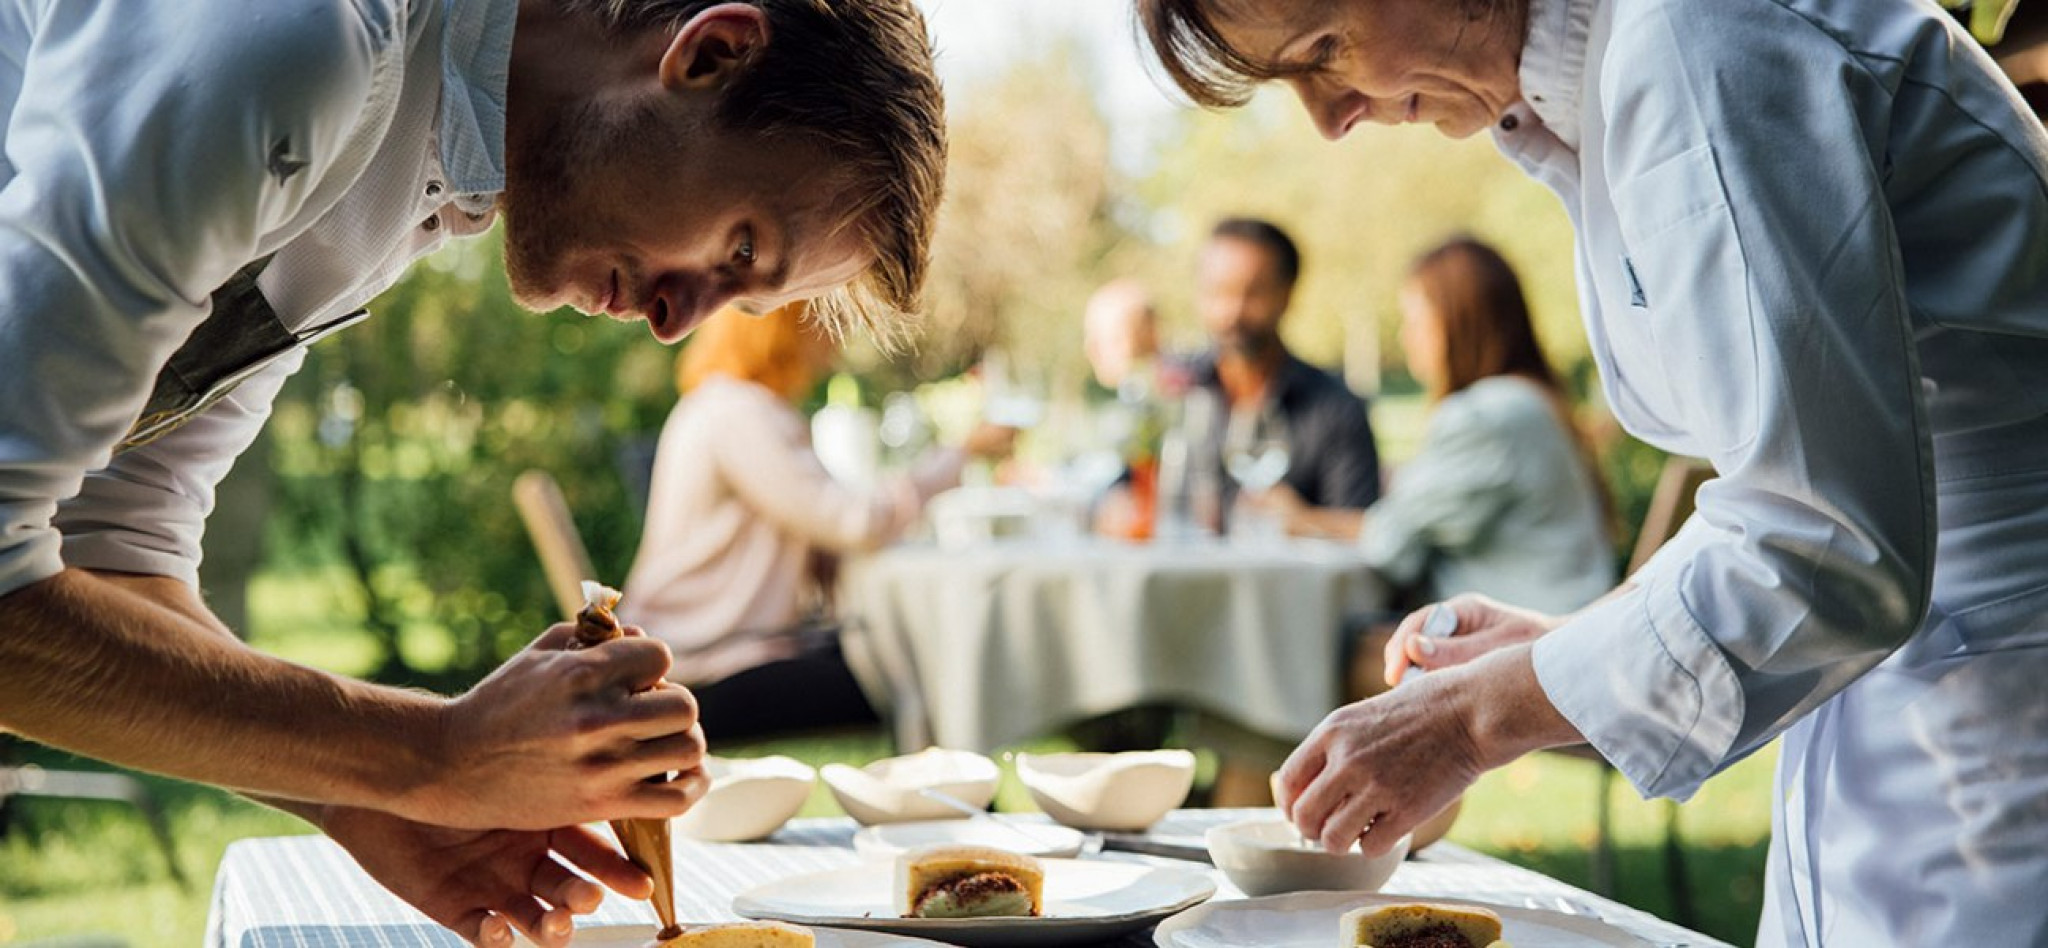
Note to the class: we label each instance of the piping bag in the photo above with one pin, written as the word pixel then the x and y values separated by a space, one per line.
pixel 646 841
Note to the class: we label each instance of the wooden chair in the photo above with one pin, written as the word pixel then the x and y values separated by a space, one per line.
pixel 566 561
pixel 562 555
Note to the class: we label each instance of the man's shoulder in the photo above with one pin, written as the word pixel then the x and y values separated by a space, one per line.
pixel 1317 385
pixel 290 54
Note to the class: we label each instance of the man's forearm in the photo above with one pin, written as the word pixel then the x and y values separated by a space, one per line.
pixel 95 666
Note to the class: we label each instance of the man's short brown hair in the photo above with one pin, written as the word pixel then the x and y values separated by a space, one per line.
pixel 855 78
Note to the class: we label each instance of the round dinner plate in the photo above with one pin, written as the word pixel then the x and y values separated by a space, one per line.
pixel 1085 902
pixel 638 936
pixel 1309 920
pixel 1044 840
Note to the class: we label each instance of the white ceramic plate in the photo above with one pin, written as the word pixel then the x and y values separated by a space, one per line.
pixel 1309 920
pixel 1085 902
pixel 1044 840
pixel 637 936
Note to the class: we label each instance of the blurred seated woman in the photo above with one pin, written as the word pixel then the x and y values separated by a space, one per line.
pixel 743 523
pixel 1501 500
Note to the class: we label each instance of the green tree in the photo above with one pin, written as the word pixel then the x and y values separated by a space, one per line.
pixel 398 442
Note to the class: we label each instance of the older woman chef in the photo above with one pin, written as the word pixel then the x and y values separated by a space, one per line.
pixel 1812 248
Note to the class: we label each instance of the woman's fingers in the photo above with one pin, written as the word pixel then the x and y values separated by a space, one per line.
pixel 1349 822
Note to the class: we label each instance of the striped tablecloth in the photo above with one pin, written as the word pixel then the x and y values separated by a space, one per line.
pixel 304 892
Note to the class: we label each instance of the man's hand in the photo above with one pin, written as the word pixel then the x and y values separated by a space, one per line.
pixel 1484 626
pixel 557 737
pixel 1374 770
pixel 481 884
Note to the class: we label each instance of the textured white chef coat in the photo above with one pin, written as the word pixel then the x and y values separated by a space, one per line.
pixel 153 149
pixel 1813 248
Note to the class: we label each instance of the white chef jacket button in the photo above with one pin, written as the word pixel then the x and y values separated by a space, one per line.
pixel 431 223
pixel 433 189
pixel 1509 123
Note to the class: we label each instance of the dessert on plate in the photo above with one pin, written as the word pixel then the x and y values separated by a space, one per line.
pixel 968 882
pixel 739 935
pixel 1420 925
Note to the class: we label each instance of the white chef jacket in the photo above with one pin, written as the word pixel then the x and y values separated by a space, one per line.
pixel 1813 248
pixel 1812 238
pixel 152 150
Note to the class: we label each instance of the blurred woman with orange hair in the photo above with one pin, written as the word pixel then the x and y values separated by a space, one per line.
pixel 740 516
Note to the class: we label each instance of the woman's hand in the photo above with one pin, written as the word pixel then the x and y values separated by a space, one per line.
pixel 1484 626
pixel 1374 771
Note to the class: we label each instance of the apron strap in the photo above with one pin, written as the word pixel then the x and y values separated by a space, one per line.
pixel 239 338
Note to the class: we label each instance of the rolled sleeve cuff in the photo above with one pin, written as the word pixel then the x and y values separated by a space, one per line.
pixel 121 554
pixel 31 556
pixel 128 527
pixel 1647 686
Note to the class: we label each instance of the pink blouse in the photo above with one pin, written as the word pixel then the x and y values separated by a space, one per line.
pixel 738 502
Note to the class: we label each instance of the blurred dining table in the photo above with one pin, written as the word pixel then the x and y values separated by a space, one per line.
pixel 979 646
pixel 305 892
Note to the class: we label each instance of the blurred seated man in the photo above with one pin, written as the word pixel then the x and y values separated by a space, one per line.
pixel 1120 332
pixel 743 523
pixel 1244 284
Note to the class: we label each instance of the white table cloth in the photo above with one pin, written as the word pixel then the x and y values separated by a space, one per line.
pixel 982 647
pixel 304 892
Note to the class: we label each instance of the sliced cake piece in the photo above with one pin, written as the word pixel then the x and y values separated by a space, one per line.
pixel 741 935
pixel 968 882
pixel 1420 925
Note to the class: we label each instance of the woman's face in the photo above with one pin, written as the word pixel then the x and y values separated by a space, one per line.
pixel 1422 338
pixel 1444 62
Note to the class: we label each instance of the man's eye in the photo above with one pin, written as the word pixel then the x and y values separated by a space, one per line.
pixel 743 254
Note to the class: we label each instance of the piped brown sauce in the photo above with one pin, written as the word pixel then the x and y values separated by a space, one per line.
pixel 1440 935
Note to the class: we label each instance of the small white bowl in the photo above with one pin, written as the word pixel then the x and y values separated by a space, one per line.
pixel 1266 856
pixel 749 798
pixel 1109 792
pixel 888 791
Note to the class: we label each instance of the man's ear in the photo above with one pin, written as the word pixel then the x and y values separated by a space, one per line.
pixel 714 46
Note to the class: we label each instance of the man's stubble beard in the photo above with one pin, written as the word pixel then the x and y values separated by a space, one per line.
pixel 539 180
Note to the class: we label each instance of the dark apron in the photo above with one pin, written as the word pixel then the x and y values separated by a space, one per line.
pixel 241 337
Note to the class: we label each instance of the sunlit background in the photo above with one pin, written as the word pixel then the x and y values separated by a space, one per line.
pixel 370 533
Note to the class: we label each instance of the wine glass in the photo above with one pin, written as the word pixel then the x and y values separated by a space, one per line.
pixel 1012 401
pixel 1255 451
pixel 1255 454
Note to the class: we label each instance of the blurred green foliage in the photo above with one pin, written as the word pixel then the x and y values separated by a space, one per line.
pixel 396 447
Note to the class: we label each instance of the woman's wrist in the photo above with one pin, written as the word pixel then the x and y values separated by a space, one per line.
pixel 1506 710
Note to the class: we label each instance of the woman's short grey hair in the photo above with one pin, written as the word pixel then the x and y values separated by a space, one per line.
pixel 1183 34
